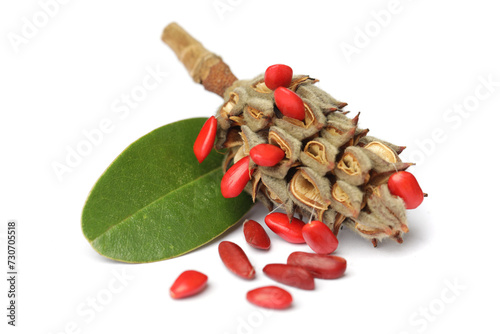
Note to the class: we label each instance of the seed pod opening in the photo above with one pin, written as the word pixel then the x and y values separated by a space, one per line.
pixel 250 139
pixel 290 145
pixel 339 129
pixel 233 106
pixel 258 113
pixel 320 155
pixel 347 198
pixel 354 166
pixel 313 121
pixel 368 139
pixel 310 191
pixel 381 164
pixel 383 151
pixel 299 81
pixel 260 87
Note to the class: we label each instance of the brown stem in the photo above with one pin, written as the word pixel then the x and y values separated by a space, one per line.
pixel 204 67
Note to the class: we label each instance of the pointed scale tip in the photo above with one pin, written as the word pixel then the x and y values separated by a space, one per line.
pixel 355 120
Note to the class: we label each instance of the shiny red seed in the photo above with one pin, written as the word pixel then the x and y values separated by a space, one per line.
pixel 270 297
pixel 235 259
pixel 289 103
pixel 320 266
pixel 266 155
pixel 188 283
pixel 255 235
pixel 405 185
pixel 290 275
pixel 319 237
pixel 290 231
pixel 205 140
pixel 235 179
pixel 278 75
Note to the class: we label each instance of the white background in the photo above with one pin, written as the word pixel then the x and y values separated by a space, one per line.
pixel 409 77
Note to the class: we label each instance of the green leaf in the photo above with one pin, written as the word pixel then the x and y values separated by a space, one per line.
pixel 156 201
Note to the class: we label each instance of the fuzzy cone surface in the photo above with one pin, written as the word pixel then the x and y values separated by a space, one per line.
pixel 332 170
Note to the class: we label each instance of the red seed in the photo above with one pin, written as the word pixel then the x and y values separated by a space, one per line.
pixel 320 266
pixel 255 235
pixel 278 75
pixel 235 259
pixel 266 155
pixel 188 283
pixel 235 179
pixel 319 237
pixel 405 185
pixel 290 275
pixel 289 103
pixel 290 231
pixel 270 297
pixel 205 140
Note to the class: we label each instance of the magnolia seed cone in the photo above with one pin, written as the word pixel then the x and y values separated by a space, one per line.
pixel 331 171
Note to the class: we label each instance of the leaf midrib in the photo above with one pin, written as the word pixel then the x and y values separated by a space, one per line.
pixel 151 203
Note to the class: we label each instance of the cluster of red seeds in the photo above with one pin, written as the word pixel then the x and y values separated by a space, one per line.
pixel 300 270
pixel 277 78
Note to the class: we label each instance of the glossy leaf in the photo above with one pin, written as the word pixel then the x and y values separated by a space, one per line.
pixel 156 201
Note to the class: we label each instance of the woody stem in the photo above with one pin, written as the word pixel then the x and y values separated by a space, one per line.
pixel 204 67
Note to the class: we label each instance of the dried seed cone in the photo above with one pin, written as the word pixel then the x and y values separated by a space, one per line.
pixel 331 171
